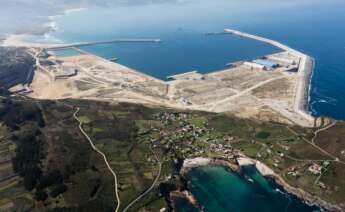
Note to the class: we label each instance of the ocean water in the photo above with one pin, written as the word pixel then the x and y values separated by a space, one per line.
pixel 219 189
pixel 312 26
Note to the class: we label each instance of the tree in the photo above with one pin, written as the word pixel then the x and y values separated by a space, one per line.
pixel 41 195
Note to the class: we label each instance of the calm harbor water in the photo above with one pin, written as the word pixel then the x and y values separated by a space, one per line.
pixel 219 189
pixel 183 51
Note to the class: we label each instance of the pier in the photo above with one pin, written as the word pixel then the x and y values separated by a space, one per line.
pixel 81 44
pixel 113 59
pixel 264 40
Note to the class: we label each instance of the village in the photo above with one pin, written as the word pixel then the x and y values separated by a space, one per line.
pixel 184 136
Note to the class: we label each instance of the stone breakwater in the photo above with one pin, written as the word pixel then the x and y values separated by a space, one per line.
pixel 303 88
pixel 305 70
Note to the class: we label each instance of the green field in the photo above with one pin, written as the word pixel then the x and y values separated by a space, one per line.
pixel 55 167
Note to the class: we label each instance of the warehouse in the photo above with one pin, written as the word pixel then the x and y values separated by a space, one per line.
pixel 254 65
pixel 268 64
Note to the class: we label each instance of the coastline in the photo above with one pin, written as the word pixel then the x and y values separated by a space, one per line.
pixel 265 171
pixel 308 105
pixel 303 87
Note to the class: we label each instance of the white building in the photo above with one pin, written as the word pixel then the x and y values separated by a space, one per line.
pixel 254 65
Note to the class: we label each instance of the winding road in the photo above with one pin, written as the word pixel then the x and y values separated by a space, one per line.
pixel 151 187
pixel 322 129
pixel 103 155
pixel 335 159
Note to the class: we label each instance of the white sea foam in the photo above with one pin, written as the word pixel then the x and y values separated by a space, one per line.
pixel 323 100
pixel 312 108
pixel 328 100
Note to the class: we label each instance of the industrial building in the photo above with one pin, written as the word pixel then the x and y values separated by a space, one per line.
pixel 266 63
pixel 254 65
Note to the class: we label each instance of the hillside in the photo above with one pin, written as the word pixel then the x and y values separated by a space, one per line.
pixel 16 67
pixel 47 163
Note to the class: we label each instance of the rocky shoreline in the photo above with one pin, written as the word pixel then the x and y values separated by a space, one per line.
pixel 263 170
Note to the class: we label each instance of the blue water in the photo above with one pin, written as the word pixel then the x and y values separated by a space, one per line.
pixel 219 189
pixel 183 51
pixel 312 26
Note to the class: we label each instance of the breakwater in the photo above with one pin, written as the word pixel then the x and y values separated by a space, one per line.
pixel 306 66
pixel 82 44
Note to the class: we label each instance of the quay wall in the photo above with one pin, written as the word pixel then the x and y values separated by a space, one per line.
pixel 301 104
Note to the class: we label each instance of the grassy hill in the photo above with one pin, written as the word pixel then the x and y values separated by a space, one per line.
pixel 47 163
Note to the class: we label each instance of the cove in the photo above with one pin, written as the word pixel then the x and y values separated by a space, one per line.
pixel 219 189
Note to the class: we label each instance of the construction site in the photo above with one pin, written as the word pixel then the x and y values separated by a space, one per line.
pixel 270 88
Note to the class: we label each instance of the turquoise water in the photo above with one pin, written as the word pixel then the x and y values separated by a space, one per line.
pixel 312 26
pixel 66 52
pixel 219 189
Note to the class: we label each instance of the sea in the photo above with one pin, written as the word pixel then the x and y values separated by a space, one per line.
pixel 315 27
pixel 219 189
